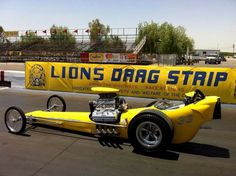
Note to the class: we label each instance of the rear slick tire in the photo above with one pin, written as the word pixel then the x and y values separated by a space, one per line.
pixel 149 133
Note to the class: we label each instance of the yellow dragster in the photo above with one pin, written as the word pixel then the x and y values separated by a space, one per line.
pixel 149 129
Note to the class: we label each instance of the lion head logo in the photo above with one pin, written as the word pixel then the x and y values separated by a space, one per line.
pixel 37 76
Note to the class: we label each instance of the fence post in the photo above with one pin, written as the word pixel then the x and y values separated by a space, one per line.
pixel 2 80
pixel 1 75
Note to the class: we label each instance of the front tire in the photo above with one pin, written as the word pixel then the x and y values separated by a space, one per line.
pixel 15 120
pixel 149 133
pixel 56 103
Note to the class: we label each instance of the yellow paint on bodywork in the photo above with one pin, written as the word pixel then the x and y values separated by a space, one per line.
pixel 66 120
pixel 190 94
pixel 186 120
pixel 104 90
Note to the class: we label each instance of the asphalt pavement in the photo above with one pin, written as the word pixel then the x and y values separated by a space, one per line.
pixel 45 151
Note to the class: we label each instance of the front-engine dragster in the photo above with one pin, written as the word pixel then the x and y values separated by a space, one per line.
pixel 149 129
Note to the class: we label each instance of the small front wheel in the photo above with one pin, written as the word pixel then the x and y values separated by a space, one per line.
pixel 15 120
pixel 56 103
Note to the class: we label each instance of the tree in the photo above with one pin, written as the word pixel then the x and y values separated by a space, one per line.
pixel 151 31
pixel 100 40
pixel 30 41
pixel 98 31
pixel 164 38
pixel 2 38
pixel 1 29
pixel 114 44
pixel 184 40
pixel 61 38
pixel 31 38
pixel 174 40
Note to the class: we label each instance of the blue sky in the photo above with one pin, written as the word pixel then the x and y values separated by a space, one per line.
pixel 211 23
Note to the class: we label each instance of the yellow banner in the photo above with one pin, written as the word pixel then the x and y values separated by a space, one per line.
pixel 139 81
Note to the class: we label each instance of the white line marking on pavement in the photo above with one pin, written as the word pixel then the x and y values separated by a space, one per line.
pixel 20 87
pixel 13 71
pixel 3 88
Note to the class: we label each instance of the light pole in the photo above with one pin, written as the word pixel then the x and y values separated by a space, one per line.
pixel 233 49
pixel 157 46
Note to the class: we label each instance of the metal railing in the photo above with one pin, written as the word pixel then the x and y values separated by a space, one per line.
pixel 82 35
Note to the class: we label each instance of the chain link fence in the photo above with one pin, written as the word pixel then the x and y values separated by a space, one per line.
pixel 158 59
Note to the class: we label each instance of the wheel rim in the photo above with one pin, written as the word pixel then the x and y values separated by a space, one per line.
pixel 55 104
pixel 149 134
pixel 14 121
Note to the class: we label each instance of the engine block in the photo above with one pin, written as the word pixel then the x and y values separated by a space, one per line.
pixel 106 109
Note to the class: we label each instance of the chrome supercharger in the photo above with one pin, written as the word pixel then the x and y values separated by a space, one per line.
pixel 107 108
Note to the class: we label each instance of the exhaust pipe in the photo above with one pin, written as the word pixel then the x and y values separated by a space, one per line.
pixel 106 131
pixel 103 131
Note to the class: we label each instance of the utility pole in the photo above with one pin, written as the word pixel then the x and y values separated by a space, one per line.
pixel 233 48
pixel 188 58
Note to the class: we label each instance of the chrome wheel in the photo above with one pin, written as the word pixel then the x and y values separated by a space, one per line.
pixel 15 120
pixel 149 134
pixel 56 103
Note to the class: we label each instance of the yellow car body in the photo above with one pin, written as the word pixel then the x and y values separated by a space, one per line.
pixel 186 120
pixel 183 121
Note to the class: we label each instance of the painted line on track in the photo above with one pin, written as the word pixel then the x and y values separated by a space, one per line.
pixel 3 88
pixel 13 71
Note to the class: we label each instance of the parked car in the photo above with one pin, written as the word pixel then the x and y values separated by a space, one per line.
pixel 222 58
pixel 212 59
pixel 180 61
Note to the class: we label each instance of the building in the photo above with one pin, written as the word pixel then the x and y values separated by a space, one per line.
pixel 204 52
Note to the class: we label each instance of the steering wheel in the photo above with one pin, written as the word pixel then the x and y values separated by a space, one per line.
pixel 198 95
